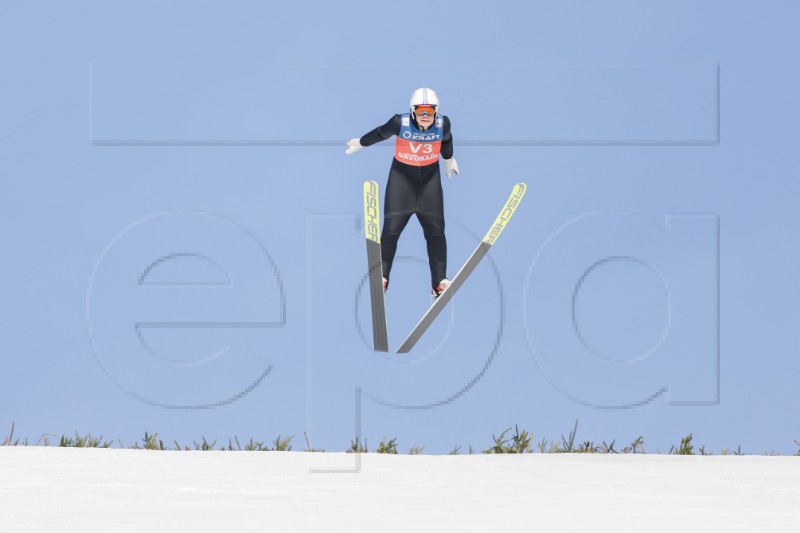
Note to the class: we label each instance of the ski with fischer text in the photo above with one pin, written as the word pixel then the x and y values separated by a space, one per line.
pixel 494 232
pixel 372 230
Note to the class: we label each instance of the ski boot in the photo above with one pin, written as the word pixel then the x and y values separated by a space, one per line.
pixel 440 288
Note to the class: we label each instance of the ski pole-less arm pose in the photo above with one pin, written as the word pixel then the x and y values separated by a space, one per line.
pixel 414 186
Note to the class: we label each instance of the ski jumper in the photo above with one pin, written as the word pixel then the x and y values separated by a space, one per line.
pixel 415 187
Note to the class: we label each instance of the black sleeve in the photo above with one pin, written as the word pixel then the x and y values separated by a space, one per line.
pixel 381 133
pixel 447 140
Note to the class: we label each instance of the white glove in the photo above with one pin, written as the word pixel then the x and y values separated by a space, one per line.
pixel 450 166
pixel 354 146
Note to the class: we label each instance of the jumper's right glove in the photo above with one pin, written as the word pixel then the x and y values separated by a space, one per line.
pixel 450 166
pixel 354 146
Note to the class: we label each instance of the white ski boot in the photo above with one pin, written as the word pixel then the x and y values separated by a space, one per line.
pixel 440 288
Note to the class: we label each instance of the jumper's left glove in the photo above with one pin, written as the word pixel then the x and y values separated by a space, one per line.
pixel 450 166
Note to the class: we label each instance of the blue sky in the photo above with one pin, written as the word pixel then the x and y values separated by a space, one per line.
pixel 184 252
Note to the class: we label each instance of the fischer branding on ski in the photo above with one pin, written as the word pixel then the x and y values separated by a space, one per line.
pixel 491 236
pixel 372 230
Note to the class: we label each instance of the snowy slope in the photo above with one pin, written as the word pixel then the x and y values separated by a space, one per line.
pixel 106 490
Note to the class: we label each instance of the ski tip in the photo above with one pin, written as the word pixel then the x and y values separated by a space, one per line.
pixel 372 224
pixel 505 215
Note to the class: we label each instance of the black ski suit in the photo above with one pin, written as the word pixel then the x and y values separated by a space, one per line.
pixel 413 190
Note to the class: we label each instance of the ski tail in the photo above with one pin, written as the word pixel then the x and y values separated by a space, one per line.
pixel 469 266
pixel 372 231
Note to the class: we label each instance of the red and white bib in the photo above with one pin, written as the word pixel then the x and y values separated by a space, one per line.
pixel 416 147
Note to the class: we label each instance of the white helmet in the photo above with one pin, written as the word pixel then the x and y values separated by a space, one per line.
pixel 424 96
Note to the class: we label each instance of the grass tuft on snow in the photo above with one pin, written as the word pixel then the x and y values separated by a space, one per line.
pixel 519 442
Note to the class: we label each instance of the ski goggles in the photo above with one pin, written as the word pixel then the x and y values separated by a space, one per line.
pixel 425 110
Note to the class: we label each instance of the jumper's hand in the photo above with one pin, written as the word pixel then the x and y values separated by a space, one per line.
pixel 354 146
pixel 450 166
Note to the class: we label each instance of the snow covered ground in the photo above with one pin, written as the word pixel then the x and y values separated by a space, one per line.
pixel 48 489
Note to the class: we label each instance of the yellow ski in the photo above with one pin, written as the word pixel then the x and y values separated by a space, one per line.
pixel 491 236
pixel 372 230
